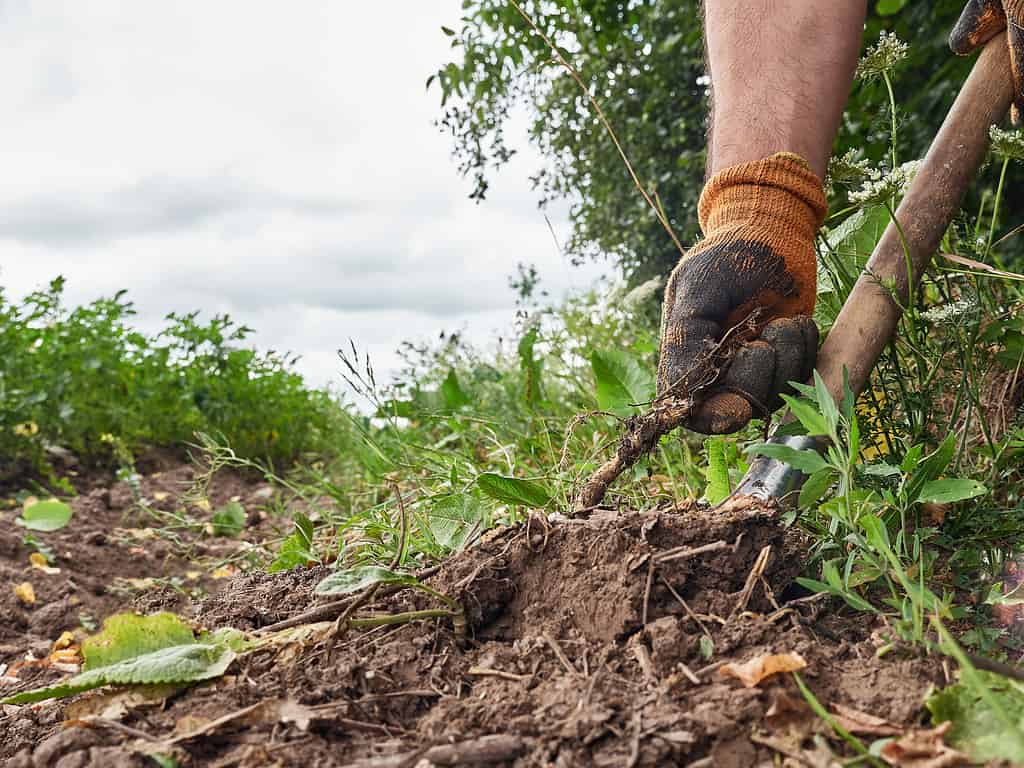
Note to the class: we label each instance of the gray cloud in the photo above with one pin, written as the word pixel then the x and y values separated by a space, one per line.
pixel 153 205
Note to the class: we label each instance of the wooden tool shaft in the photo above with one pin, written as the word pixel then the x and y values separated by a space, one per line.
pixel 869 317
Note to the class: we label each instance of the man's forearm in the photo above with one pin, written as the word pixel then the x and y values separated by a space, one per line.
pixel 780 75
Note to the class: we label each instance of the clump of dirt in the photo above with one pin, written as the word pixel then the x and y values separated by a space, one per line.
pixel 596 641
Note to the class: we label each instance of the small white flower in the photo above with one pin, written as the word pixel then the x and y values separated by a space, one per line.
pixel 879 188
pixel 951 312
pixel 882 57
pixel 1007 144
pixel 848 168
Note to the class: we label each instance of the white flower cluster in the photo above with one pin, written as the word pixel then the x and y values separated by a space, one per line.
pixel 1007 144
pixel 848 168
pixel 951 312
pixel 882 57
pixel 880 187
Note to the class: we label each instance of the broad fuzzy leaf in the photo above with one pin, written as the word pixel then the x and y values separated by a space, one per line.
pixel 141 650
pixel 622 381
pixel 50 515
pixel 452 518
pixel 512 490
pixel 359 578
pixel 977 729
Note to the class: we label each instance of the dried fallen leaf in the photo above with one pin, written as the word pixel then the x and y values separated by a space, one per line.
pixel 39 562
pixel 25 592
pixel 66 656
pixel 759 668
pixel 113 705
pixel 862 723
pixel 924 749
pixel 66 640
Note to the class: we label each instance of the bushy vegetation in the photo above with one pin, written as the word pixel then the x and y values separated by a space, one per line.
pixel 84 380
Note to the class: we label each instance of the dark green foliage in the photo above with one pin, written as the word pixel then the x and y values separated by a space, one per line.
pixel 83 379
pixel 644 62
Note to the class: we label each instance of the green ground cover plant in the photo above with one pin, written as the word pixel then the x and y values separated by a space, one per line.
pixel 83 379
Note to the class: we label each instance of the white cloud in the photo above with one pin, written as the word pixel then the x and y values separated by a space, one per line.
pixel 275 161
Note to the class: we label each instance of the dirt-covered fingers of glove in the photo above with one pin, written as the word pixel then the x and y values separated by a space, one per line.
pixel 980 21
pixel 759 373
pixel 713 289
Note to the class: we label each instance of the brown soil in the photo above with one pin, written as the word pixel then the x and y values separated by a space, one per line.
pixel 577 653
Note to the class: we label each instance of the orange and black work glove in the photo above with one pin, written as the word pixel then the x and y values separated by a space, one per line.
pixel 760 220
pixel 982 20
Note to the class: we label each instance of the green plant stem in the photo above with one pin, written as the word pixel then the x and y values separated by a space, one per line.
pixel 821 712
pixel 995 208
pixel 383 619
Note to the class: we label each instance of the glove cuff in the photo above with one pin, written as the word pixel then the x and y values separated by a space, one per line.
pixel 779 192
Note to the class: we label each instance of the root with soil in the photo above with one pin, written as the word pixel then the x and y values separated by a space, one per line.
pixel 669 410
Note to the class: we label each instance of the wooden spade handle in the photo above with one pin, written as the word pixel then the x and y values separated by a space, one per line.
pixel 869 317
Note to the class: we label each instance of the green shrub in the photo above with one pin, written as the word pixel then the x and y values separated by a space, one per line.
pixel 80 378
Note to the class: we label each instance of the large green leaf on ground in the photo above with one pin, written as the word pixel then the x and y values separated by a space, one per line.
pixel 359 578
pixel 143 650
pixel 622 381
pixel 512 490
pixel 977 728
pixel 49 515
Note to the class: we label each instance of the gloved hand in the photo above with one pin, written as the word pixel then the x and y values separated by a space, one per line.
pixel 982 20
pixel 760 220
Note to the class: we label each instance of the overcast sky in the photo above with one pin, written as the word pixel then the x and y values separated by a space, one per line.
pixel 276 161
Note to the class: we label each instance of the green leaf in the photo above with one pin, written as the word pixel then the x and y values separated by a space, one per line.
pixel 297 549
pixel 826 405
pixel 889 7
pixel 229 520
pixel 622 381
pixel 453 518
pixel 808 416
pixel 950 489
pixel 977 729
pixel 141 650
pixel 359 578
pixel 454 396
pixel 512 490
pixel 530 367
pixel 923 471
pixel 717 473
pixel 50 515
pixel 806 460
pixel 849 596
pixel 815 486
pixel 402 409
